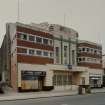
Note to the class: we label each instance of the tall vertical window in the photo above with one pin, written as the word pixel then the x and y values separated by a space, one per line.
pixel 57 54
pixel 73 57
pixel 65 54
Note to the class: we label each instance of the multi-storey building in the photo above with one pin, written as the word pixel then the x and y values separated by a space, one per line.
pixel 42 57
pixel 90 55
pixel 38 58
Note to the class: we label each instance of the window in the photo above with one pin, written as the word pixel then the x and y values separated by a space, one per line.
pixel 51 42
pixel 95 51
pixel 73 57
pixel 65 51
pixel 45 41
pixel 32 52
pixel 51 54
pixel 38 52
pixel 83 59
pixel 79 59
pixel 88 49
pixel 38 40
pixel 45 53
pixel 24 51
pixel 91 50
pixel 57 54
pixel 62 79
pixel 51 28
pixel 24 36
pixel 57 51
pixel 83 49
pixel 31 38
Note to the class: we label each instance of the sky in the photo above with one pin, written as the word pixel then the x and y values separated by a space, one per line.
pixel 87 17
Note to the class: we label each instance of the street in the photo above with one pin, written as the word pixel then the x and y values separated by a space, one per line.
pixel 92 99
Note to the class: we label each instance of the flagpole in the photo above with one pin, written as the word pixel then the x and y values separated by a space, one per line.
pixel 18 11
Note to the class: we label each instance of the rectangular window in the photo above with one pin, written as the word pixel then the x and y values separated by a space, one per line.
pixel 45 53
pixel 38 52
pixel 65 51
pixel 38 39
pixel 23 50
pixel 51 54
pixel 32 52
pixel 32 38
pixel 83 49
pixel 57 54
pixel 51 42
pixel 73 57
pixel 45 41
pixel 24 36
pixel 88 49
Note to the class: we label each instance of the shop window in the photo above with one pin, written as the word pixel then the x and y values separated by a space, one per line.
pixel 54 80
pixel 38 52
pixel 38 39
pixel 32 52
pixel 45 41
pixel 32 38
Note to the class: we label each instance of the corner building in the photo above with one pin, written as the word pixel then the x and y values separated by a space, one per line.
pixel 42 57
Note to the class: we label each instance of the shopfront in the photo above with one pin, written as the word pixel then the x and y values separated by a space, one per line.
pixel 32 80
pixel 95 81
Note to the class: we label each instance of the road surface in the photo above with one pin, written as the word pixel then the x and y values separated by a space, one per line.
pixel 92 99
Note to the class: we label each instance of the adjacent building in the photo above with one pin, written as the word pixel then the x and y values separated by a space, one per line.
pixel 90 55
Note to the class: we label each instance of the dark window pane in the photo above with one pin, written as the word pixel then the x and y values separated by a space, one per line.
pixel 45 41
pixel 38 52
pixel 31 38
pixel 45 53
pixel 38 40
pixel 31 52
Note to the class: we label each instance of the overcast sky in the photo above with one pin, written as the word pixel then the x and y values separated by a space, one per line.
pixel 85 16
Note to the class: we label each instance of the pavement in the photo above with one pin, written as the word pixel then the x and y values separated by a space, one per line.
pixel 88 99
pixel 35 95
pixel 11 95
